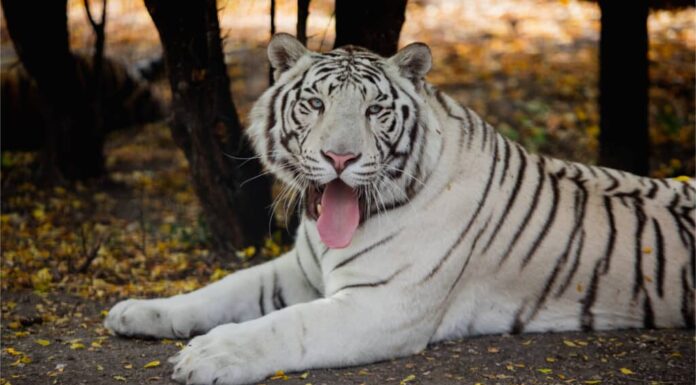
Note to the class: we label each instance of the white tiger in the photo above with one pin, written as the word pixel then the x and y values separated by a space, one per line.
pixel 421 223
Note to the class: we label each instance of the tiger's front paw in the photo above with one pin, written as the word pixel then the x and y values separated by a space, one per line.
pixel 160 318
pixel 227 355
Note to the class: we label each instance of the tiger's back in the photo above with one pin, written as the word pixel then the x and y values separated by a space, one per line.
pixel 557 245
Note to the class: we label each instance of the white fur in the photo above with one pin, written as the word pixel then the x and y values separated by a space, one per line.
pixel 324 326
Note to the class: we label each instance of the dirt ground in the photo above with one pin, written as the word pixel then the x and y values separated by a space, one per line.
pixel 76 349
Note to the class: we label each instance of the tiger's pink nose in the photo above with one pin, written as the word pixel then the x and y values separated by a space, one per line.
pixel 340 161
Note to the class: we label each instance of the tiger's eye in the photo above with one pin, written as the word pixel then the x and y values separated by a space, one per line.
pixel 316 103
pixel 373 109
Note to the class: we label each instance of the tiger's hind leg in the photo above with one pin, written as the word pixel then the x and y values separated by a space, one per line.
pixel 241 296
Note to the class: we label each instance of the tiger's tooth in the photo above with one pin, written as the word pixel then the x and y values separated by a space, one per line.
pixel 319 208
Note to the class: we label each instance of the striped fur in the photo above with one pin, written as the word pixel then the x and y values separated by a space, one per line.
pixel 465 233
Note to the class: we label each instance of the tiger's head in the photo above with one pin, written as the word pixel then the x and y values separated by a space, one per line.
pixel 346 129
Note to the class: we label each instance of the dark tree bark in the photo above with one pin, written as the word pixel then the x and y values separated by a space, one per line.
pixel 72 147
pixel 99 28
pixel 373 24
pixel 623 85
pixel 206 126
pixel 273 31
pixel 302 15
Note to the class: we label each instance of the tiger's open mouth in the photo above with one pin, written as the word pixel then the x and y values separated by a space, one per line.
pixel 338 210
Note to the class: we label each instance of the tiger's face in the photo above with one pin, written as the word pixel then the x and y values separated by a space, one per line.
pixel 344 129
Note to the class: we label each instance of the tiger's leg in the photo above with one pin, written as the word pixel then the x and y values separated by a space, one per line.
pixel 356 326
pixel 241 296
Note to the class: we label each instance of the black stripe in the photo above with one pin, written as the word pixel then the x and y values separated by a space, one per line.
pixel 586 315
pixel 468 257
pixel 653 189
pixel 270 123
pixel 263 311
pixel 579 208
pixel 472 219
pixel 600 269
pixel 278 298
pixel 648 313
pixel 372 284
pixel 412 188
pixel 470 127
pixel 614 182
pixel 484 128
pixel 306 277
pixel 685 235
pixel 513 194
pixel 659 258
pixel 535 201
pixel 685 215
pixel 547 225
pixel 506 161
pixel 363 251
pixel 639 280
pixel 592 170
pixel 574 266
pixel 445 106
pixel 517 324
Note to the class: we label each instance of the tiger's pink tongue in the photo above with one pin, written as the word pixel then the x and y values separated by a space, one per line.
pixel 340 215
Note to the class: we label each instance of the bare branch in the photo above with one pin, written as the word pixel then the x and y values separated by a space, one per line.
pixel 98 27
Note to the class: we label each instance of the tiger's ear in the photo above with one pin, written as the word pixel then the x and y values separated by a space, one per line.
pixel 283 52
pixel 414 62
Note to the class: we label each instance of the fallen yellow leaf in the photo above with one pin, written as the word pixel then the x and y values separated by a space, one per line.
pixel 42 279
pixel 626 371
pixel 42 342
pixel 152 364
pixel 279 375
pixel 545 370
pixel 570 343
pixel 120 378
pixel 77 346
pixel 13 352
pixel 408 378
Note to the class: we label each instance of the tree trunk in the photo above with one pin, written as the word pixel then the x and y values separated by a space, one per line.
pixel 72 147
pixel 206 126
pixel 99 28
pixel 373 24
pixel 623 85
pixel 302 15
pixel 273 31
